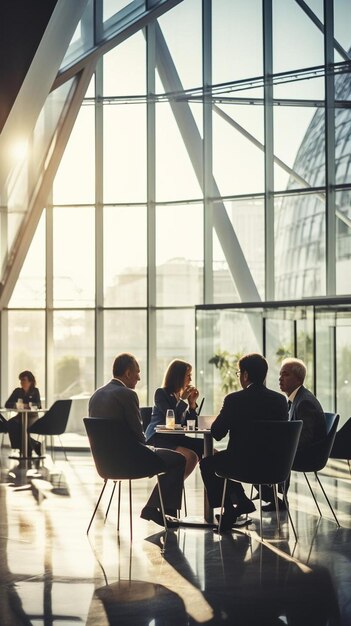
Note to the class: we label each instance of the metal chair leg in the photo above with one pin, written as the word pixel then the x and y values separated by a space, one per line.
pixel 161 502
pixel 260 495
pixel 222 504
pixel 130 511
pixel 119 503
pixel 288 510
pixel 97 505
pixel 313 496
pixel 274 488
pixel 184 500
pixel 109 504
pixel 327 499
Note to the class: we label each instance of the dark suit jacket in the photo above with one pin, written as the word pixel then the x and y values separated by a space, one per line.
pixel 256 402
pixel 114 400
pixel 306 407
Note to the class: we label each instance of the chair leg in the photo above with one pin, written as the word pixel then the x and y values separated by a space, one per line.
pixel 327 499
pixel 109 504
pixel 184 500
pixel 260 495
pixel 161 502
pixel 97 505
pixel 222 504
pixel 130 511
pixel 119 503
pixel 274 487
pixel 288 510
pixel 313 496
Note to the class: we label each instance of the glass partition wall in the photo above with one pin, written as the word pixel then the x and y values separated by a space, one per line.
pixel 200 157
pixel 319 334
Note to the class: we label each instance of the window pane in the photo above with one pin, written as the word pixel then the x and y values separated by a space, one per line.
pixel 181 28
pixel 175 175
pixel 125 256
pixel 110 7
pixel 29 290
pixel 343 241
pixel 74 348
pixel 75 179
pixel 291 24
pixel 236 39
pixel 129 54
pixel 299 246
pixel 179 255
pixel 26 348
pixel 74 257
pixel 175 339
pixel 125 153
pixel 230 334
pixel 300 144
pixel 247 218
pixel 224 289
pixel 238 164
pixel 342 21
pixel 125 331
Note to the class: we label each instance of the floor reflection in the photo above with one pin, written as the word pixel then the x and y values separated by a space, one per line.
pixel 51 573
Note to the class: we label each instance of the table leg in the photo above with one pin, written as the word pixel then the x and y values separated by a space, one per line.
pixel 24 422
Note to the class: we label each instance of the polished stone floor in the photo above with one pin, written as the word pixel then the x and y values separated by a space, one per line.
pixel 52 574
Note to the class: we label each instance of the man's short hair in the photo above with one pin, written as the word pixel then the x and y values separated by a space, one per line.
pixel 297 367
pixel 256 367
pixel 122 363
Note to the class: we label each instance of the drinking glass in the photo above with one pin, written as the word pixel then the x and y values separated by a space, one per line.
pixel 170 419
pixel 191 424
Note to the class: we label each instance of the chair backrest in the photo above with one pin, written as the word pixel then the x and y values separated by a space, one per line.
pixel 329 420
pixel 145 412
pixel 342 443
pixel 117 454
pixel 263 452
pixel 54 421
pixel 314 457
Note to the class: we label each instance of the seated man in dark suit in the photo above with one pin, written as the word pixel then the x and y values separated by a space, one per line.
pixel 253 402
pixel 118 400
pixel 302 405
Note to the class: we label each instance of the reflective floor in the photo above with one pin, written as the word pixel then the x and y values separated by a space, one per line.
pixel 51 573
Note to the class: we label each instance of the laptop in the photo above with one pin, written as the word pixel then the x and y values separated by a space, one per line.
pixel 205 421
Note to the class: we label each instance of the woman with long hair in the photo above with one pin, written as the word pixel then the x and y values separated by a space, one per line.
pixel 28 392
pixel 178 394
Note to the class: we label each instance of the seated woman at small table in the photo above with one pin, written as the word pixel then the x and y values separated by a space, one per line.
pixel 178 394
pixel 28 392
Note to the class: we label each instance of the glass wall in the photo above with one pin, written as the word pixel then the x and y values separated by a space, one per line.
pixel 320 335
pixel 204 160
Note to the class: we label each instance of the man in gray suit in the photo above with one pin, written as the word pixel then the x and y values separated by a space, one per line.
pixel 118 400
pixel 302 405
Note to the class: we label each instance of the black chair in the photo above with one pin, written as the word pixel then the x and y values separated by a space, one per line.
pixel 3 427
pixel 117 456
pixel 342 444
pixel 262 453
pixel 145 412
pixel 314 458
pixel 54 422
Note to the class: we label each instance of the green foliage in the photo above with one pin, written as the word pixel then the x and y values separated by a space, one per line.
pixel 227 365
